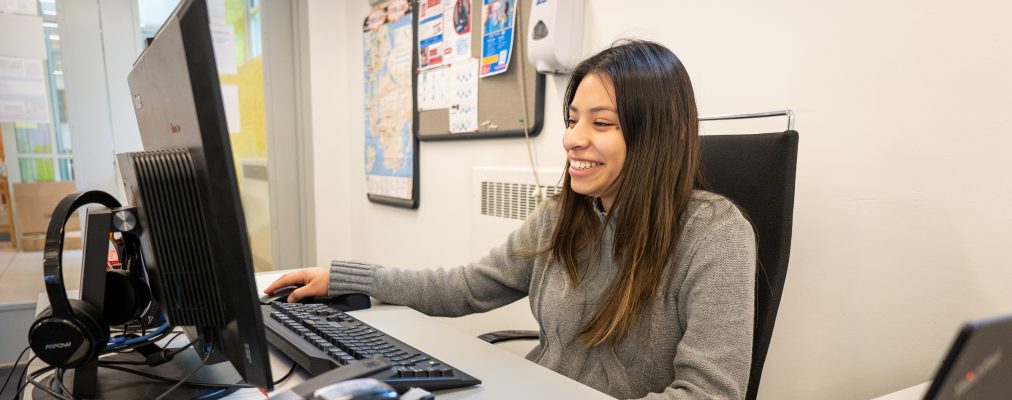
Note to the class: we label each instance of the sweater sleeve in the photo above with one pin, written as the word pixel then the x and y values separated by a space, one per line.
pixel 716 307
pixel 500 278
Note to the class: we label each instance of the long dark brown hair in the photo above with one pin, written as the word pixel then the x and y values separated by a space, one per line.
pixel 657 114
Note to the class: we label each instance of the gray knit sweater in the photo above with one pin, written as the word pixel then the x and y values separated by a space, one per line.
pixel 694 342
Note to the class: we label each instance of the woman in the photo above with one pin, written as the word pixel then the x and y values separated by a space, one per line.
pixel 642 285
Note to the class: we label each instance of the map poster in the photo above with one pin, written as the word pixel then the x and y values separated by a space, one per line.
pixel 390 145
pixel 497 20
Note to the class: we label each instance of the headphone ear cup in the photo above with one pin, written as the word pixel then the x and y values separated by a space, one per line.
pixel 94 322
pixel 126 297
pixel 68 342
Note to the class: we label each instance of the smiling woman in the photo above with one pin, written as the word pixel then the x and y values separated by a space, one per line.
pixel 642 285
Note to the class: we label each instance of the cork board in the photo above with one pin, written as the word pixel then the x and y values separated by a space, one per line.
pixel 500 112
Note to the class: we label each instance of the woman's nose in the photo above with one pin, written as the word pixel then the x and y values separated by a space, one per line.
pixel 575 138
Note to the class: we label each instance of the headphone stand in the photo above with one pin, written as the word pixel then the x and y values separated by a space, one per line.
pixel 95 256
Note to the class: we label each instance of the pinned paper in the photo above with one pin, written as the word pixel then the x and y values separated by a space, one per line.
pixel 430 33
pixel 216 12
pixel 464 96
pixel 223 41
pixel 456 30
pixel 433 89
pixel 230 99
pixel 497 20
pixel 24 7
pixel 23 95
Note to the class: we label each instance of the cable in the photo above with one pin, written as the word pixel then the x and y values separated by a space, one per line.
pixel 287 375
pixel 115 343
pixel 58 381
pixel 128 349
pixel 22 385
pixel 171 380
pixel 122 348
pixel 206 357
pixel 522 66
pixel 173 352
pixel 31 380
pixel 213 394
pixel 15 369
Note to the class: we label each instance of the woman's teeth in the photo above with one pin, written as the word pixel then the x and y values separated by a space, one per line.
pixel 583 164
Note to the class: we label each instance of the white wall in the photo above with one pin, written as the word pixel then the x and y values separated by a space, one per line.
pixel 901 214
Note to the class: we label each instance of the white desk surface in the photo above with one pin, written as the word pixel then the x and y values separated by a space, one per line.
pixel 504 375
pixel 915 392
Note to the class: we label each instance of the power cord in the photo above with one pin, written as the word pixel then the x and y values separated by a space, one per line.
pixel 287 374
pixel 23 383
pixel 539 191
pixel 202 364
pixel 38 385
pixel 15 369
pixel 171 380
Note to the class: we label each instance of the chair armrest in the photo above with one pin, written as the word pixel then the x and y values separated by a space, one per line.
pixel 503 336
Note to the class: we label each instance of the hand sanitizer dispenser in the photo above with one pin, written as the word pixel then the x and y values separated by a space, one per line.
pixel 555 35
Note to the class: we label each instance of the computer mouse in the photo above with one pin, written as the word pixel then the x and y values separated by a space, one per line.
pixel 280 295
pixel 344 302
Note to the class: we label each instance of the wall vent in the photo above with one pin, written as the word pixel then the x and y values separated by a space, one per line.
pixel 510 200
pixel 505 193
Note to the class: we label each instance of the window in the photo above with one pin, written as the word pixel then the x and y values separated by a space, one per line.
pixel 43 149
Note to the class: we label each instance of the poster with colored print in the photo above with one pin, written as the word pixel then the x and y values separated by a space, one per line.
pixel 497 20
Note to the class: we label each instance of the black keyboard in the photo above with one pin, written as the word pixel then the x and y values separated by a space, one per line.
pixel 320 338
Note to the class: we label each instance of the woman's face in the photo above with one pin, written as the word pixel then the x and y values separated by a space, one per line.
pixel 593 141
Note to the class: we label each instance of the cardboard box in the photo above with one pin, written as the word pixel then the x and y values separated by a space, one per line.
pixel 33 207
pixel 37 241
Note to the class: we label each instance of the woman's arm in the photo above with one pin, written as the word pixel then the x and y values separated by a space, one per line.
pixel 499 278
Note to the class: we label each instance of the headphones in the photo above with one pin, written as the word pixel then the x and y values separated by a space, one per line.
pixel 70 332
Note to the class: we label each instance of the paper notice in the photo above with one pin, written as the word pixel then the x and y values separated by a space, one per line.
pixel 24 7
pixel 23 96
pixel 434 89
pixel 230 99
pixel 456 30
pixel 464 96
pixel 497 20
pixel 430 33
pixel 223 41
pixel 216 12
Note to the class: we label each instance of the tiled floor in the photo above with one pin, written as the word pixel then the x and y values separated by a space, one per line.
pixel 21 274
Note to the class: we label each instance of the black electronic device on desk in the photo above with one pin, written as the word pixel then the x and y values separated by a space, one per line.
pixel 319 337
pixel 978 365
pixel 185 220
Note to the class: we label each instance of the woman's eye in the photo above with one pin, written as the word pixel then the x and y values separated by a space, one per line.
pixel 602 124
pixel 570 122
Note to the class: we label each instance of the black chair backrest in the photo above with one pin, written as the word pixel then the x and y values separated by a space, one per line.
pixel 757 172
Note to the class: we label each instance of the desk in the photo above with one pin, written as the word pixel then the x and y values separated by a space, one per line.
pixel 915 392
pixel 503 374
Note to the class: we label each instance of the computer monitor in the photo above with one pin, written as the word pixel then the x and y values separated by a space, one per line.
pixel 979 363
pixel 194 239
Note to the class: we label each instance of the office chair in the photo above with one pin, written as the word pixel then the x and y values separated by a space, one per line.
pixel 757 172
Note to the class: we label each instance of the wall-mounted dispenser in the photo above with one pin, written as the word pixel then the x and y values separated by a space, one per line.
pixel 555 35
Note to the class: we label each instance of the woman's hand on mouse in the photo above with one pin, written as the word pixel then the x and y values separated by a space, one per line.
pixel 314 282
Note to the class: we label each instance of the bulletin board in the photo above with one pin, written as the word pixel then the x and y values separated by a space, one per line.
pixel 499 106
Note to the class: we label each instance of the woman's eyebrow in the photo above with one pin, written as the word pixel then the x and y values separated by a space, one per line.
pixel 594 109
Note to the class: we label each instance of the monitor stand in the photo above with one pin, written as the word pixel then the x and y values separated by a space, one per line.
pixel 115 384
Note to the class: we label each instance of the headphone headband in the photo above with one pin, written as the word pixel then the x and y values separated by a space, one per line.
pixel 52 261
